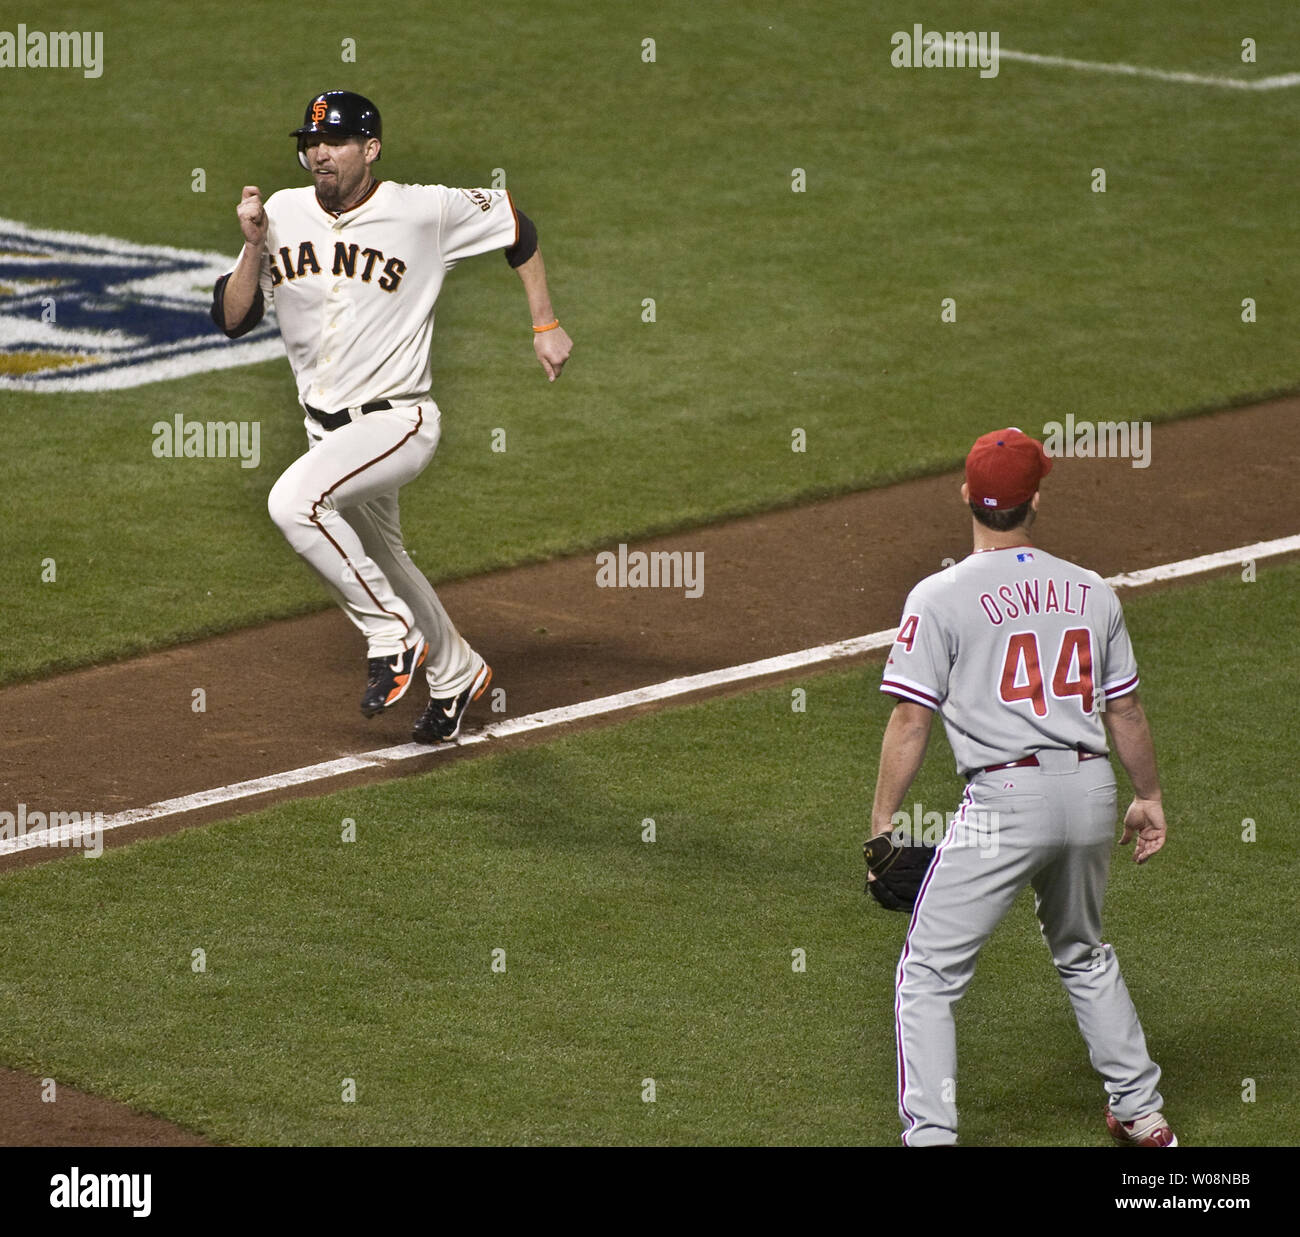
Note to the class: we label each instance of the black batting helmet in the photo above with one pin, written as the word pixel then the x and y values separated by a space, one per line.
pixel 338 113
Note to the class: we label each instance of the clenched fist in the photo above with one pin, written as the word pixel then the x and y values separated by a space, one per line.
pixel 252 217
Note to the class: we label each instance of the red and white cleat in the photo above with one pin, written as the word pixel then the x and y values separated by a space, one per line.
pixel 1149 1131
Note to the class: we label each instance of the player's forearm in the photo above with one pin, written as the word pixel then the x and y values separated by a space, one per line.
pixel 533 276
pixel 241 287
pixel 901 752
pixel 1126 722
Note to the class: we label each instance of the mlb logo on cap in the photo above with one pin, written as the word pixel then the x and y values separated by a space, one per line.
pixel 1004 468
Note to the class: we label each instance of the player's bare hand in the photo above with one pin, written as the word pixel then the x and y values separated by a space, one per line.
pixel 552 348
pixel 252 217
pixel 1145 820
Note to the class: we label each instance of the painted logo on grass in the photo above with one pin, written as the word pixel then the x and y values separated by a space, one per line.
pixel 94 313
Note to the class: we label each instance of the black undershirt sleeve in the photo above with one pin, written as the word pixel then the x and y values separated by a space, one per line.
pixel 251 318
pixel 526 245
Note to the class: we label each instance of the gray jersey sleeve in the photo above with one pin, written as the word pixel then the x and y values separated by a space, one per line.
pixel 1118 673
pixel 920 661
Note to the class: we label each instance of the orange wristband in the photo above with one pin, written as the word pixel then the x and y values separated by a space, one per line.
pixel 550 326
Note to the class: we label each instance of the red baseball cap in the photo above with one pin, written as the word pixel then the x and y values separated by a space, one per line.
pixel 1004 468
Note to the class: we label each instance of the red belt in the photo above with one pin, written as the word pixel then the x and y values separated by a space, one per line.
pixel 1031 762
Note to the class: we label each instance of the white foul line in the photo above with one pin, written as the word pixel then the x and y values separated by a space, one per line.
pixel 1279 81
pixel 838 651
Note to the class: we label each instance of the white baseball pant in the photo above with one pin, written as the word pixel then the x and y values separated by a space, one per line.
pixel 337 506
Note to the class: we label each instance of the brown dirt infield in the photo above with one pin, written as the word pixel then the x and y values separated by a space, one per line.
pixel 285 694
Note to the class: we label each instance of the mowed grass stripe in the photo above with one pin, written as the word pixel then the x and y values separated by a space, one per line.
pixel 670 960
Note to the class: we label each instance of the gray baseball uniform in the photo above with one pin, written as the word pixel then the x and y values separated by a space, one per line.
pixel 1016 649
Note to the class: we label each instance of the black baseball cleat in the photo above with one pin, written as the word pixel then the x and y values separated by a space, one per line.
pixel 440 722
pixel 390 678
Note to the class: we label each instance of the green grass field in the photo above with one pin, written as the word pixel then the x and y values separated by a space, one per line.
pixel 775 310
pixel 669 960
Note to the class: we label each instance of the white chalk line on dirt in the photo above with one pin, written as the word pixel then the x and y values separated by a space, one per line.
pixel 70 835
pixel 1279 81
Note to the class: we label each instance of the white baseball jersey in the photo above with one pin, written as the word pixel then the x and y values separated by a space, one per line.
pixel 354 293
pixel 1015 648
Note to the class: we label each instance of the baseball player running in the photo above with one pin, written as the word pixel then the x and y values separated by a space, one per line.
pixel 1017 650
pixel 354 266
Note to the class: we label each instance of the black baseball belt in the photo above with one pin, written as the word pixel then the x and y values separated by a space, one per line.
pixel 332 420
